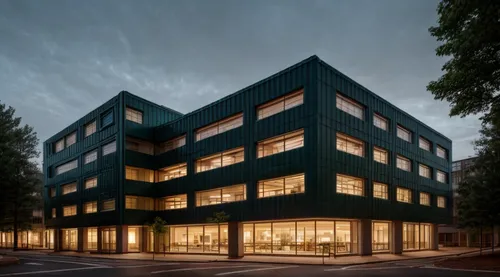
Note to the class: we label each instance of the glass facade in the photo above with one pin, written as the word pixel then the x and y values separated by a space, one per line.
pixel 69 239
pixel 210 238
pixel 416 236
pixel 380 236
pixel 134 234
pixel 108 239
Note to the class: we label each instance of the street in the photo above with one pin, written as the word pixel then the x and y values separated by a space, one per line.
pixel 51 265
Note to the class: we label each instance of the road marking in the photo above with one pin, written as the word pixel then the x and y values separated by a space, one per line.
pixel 255 269
pixel 145 265
pixel 467 270
pixel 67 262
pixel 370 268
pixel 202 268
pixel 50 271
pixel 33 264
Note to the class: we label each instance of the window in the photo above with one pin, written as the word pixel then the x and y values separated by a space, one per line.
pixel 174 202
pixel 172 144
pixel 403 163
pixel 220 160
pixel 441 202
pixel 350 185
pixel 424 171
pixel 107 119
pixel 90 183
pixel 59 145
pixel 53 212
pixel 70 139
pixel 139 174
pixel 133 115
pixel 108 205
pixel 424 144
pixel 109 148
pixel 349 106
pixel 404 134
pixel 139 203
pixel 280 104
pixel 380 191
pixel 90 207
pixel 172 172
pixel 66 167
pixel 425 199
pixel 219 127
pixel 441 152
pixel 139 146
pixel 280 144
pixel 350 145
pixel 380 122
pixel 282 186
pixel 403 195
pixel 456 166
pixel 380 155
pixel 90 128
pixel 68 188
pixel 221 195
pixel 69 210
pixel 52 192
pixel 90 157
pixel 440 176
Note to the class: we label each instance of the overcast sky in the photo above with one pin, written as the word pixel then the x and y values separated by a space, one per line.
pixel 61 59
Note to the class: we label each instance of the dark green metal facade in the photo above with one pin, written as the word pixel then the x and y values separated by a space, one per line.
pixel 318 159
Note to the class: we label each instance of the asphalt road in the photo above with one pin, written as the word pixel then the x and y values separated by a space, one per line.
pixel 51 265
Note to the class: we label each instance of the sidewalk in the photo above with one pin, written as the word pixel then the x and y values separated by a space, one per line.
pixel 8 260
pixel 345 260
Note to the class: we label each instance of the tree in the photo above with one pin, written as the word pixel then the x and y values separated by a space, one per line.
pixel 158 227
pixel 470 32
pixel 19 175
pixel 218 217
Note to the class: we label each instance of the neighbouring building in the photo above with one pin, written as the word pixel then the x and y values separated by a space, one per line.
pixel 302 161
pixel 449 234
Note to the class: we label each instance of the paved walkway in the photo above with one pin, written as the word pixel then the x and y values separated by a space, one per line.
pixel 345 260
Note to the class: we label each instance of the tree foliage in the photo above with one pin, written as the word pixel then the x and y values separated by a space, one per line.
pixel 470 34
pixel 158 227
pixel 20 181
pixel 218 217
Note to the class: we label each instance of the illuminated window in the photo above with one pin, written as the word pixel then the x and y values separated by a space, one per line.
pixel 90 157
pixel 91 238
pixel 68 188
pixel 349 106
pixel 53 212
pixel 441 152
pixel 173 202
pixel 172 172
pixel 108 205
pixel 220 159
pixel 52 192
pixel 441 202
pixel 350 145
pixel 90 183
pixel 280 104
pixel 140 146
pixel 424 144
pixel 280 144
pixel 380 122
pixel 425 199
pixel 69 210
pixel 139 174
pixel 350 185
pixel 440 176
pixel 139 203
pixel 221 195
pixel 380 190
pixel 70 139
pixel 403 163
pixel 424 171
pixel 403 195
pixel 172 144
pixel 380 155
pixel 59 145
pixel 66 167
pixel 90 128
pixel 109 148
pixel 133 115
pixel 219 127
pixel 282 186
pixel 90 207
pixel 404 134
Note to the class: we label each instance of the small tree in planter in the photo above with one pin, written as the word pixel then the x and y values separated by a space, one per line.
pixel 158 227
pixel 218 217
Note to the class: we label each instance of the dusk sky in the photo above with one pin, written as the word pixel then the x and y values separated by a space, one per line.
pixel 61 59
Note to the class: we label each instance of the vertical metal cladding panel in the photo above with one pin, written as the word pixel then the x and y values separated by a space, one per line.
pixel 331 162
pixel 252 169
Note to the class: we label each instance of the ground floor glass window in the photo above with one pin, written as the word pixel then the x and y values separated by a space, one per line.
pixel 416 236
pixel 380 235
